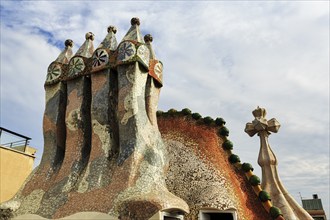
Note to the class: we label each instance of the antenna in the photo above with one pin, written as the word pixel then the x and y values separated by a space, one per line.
pixel 300 197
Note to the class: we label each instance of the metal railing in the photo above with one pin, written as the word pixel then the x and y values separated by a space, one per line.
pixel 19 140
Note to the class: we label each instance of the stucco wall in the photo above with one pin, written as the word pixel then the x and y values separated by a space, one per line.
pixel 15 166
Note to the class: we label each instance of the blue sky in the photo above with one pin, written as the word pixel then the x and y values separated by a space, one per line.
pixel 221 59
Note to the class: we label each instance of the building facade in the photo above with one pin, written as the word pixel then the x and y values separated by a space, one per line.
pixel 314 207
pixel 16 164
pixel 106 144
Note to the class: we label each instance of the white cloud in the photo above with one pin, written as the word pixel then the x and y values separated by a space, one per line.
pixel 24 66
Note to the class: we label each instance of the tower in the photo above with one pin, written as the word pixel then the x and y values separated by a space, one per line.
pixel 101 134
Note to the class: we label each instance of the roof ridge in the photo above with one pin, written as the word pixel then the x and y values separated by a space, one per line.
pixel 234 159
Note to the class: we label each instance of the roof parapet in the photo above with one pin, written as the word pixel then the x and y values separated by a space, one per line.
pixel 109 54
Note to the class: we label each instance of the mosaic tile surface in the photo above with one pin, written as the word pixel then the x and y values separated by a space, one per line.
pixel 200 173
pixel 100 58
pixel 54 72
pixel 126 51
pixel 76 66
pixel 103 148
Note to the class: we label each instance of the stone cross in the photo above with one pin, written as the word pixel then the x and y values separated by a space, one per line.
pixel 260 123
pixel 268 163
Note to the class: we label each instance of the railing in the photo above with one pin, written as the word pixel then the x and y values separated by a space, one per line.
pixel 13 139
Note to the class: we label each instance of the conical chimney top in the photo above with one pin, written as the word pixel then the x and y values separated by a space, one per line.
pixel 110 41
pixel 87 49
pixel 135 21
pixel 148 39
pixel 155 66
pixel 133 33
pixel 66 54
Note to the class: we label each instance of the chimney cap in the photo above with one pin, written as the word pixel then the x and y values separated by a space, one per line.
pixel 112 28
pixel 68 43
pixel 135 21
pixel 148 38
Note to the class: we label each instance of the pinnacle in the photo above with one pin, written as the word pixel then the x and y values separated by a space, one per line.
pixel 134 33
pixel 66 54
pixel 135 21
pixel 112 29
pixel 87 49
pixel 148 38
pixel 68 43
pixel 89 36
pixel 110 41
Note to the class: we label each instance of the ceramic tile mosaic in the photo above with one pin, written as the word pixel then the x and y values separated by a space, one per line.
pixel 103 149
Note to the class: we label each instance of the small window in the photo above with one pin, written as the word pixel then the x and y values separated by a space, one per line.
pixel 171 216
pixel 217 215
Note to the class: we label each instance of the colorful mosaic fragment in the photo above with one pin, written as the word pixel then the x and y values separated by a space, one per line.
pixel 76 66
pixel 110 41
pixel 56 69
pixel 103 143
pixel 100 58
pixel 143 54
pixel 54 72
pixel 126 51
